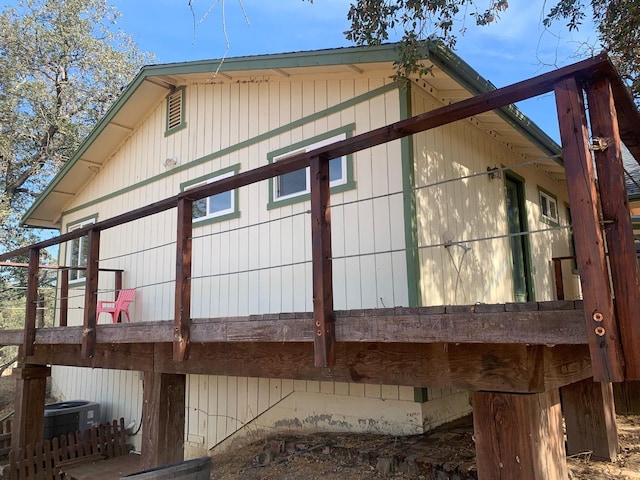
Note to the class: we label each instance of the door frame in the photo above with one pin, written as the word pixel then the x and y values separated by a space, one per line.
pixel 519 182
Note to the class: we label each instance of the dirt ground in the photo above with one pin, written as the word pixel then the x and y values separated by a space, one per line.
pixel 443 454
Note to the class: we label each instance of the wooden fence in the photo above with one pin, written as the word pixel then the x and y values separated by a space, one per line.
pixel 47 461
pixel 5 437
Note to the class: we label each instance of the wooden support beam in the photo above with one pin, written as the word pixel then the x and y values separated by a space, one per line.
pixel 32 301
pixel 28 422
pixel 602 329
pixel 163 419
pixel 182 316
pixel 627 398
pixel 519 436
pixel 64 297
pixel 117 286
pixel 625 275
pixel 557 270
pixel 91 295
pixel 590 419
pixel 323 315
pixel 510 368
pixel 128 356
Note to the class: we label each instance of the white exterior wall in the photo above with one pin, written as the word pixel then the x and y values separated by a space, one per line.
pixel 256 263
pixel 472 211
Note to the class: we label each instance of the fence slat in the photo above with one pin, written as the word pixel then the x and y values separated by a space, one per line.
pixel 47 461
pixel 122 437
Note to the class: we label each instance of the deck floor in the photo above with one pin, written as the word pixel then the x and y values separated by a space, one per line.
pixel 111 469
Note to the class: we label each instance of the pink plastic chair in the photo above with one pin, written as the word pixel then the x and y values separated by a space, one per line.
pixel 121 305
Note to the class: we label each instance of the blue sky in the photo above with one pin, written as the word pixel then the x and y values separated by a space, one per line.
pixel 515 48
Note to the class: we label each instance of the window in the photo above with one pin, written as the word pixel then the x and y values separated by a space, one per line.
pixel 295 186
pixel 221 206
pixel 175 111
pixel 548 207
pixel 77 251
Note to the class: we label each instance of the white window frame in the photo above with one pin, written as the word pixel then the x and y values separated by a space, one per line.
pixel 218 213
pixel 550 200
pixel 343 164
pixel 76 276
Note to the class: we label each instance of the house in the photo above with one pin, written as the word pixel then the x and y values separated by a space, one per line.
pixel 468 213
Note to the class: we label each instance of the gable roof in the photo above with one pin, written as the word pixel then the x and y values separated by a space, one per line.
pixel 450 74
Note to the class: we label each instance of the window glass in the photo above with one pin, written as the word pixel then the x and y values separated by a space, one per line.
pixel 215 205
pixel 297 183
pixel 548 207
pixel 292 183
pixel 78 252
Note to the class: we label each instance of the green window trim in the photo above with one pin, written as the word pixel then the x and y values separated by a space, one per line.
pixel 235 213
pixel 175 120
pixel 348 184
pixel 551 201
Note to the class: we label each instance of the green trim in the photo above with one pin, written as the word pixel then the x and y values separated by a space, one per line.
pixel 183 106
pixel 544 219
pixel 522 205
pixel 412 256
pixel 232 168
pixel 244 144
pixel 420 394
pixel 350 183
pixel 93 217
pixel 453 65
pixel 471 80
pixel 220 218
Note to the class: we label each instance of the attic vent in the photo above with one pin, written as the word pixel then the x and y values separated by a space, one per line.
pixel 175 111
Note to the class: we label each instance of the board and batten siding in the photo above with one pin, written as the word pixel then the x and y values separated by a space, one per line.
pixel 472 211
pixel 258 262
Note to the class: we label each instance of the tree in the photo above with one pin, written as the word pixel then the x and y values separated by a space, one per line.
pixel 617 21
pixel 62 64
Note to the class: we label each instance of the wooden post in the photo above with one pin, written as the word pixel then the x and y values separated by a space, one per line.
pixel 617 221
pixel 117 286
pixel 323 315
pixel 40 311
pixel 28 423
pixel 602 329
pixel 91 296
pixel 163 419
pixel 627 398
pixel 519 436
pixel 557 269
pixel 182 316
pixel 64 297
pixel 32 302
pixel 590 418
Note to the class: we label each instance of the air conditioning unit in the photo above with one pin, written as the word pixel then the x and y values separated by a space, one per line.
pixel 69 417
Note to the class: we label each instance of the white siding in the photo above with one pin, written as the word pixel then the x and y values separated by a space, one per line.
pixel 260 261
pixel 472 211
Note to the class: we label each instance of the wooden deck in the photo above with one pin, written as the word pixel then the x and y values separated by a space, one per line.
pixel 513 347
pixel 493 350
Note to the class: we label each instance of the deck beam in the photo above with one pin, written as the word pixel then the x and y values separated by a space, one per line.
pixel 601 325
pixel 511 368
pixel 28 422
pixel 519 436
pixel 625 276
pixel 323 315
pixel 163 419
pixel 590 419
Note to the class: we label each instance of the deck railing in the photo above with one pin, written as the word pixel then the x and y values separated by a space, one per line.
pixel 606 94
